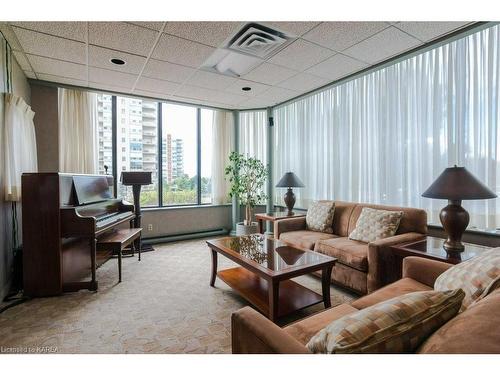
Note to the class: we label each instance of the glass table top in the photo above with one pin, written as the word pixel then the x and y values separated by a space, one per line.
pixel 272 254
pixel 434 246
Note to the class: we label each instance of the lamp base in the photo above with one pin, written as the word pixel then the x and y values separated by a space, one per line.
pixel 455 220
pixel 289 199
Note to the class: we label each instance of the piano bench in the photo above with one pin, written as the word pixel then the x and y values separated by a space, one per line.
pixel 116 241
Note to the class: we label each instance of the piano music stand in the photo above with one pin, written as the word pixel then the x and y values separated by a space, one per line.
pixel 137 180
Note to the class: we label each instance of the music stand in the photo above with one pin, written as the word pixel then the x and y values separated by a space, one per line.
pixel 137 180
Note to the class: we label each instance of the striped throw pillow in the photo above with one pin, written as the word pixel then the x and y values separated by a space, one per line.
pixel 398 325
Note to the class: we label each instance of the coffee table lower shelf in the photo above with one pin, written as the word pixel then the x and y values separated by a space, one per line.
pixel 292 296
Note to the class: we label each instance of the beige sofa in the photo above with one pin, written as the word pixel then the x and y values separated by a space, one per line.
pixel 476 330
pixel 359 267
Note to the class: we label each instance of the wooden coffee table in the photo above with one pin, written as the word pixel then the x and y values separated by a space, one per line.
pixel 267 265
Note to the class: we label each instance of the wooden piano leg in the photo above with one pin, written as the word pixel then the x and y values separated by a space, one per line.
pixel 93 282
pixel 120 265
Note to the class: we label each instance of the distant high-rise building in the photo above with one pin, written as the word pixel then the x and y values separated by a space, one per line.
pixel 173 158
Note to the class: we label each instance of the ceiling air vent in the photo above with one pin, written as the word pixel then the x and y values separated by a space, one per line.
pixel 259 41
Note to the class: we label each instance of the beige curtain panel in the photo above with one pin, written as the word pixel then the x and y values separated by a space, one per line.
pixel 78 143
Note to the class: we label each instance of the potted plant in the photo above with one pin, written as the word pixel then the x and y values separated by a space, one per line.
pixel 247 177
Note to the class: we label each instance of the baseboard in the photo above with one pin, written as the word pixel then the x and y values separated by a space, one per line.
pixel 185 236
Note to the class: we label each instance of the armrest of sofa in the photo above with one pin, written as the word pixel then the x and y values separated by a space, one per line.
pixel 289 225
pixel 424 270
pixel 378 252
pixel 252 333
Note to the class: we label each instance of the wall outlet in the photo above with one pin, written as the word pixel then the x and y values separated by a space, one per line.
pixel 150 227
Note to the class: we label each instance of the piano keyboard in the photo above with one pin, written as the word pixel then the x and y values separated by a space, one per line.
pixel 106 220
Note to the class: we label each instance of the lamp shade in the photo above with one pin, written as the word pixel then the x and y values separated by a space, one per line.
pixel 289 179
pixel 457 183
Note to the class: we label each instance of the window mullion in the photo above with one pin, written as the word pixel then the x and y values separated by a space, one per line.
pixel 160 156
pixel 198 156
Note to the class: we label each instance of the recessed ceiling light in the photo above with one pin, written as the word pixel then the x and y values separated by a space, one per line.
pixel 246 88
pixel 117 61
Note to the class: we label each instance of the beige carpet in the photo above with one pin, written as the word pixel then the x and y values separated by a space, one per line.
pixel 163 305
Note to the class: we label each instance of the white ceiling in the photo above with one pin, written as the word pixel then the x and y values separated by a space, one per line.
pixel 163 58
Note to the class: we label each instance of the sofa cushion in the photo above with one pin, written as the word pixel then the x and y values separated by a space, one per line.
pixel 475 331
pixel 477 276
pixel 374 225
pixel 319 216
pixel 306 328
pixel 395 289
pixel 413 219
pixel 304 239
pixel 351 253
pixel 398 325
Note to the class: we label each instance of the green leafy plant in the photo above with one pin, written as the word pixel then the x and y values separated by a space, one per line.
pixel 247 177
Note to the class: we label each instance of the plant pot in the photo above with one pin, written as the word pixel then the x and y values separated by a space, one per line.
pixel 243 230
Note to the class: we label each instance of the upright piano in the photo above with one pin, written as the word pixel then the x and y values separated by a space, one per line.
pixel 63 217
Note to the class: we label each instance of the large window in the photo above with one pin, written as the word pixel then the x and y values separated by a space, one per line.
pixel 181 163
pixel 385 136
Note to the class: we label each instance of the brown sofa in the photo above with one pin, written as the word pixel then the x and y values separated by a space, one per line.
pixel 358 267
pixel 475 330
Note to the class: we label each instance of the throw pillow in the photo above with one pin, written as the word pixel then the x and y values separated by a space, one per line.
pixel 319 217
pixel 374 225
pixel 477 277
pixel 398 325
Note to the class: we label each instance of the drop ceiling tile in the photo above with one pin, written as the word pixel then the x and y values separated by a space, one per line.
pixel 269 74
pixel 301 55
pixel 426 31
pixel 57 67
pixel 71 30
pixel 341 35
pixel 150 25
pixel 210 80
pixel 278 94
pixel 109 87
pixel 304 82
pixel 227 98
pixel 167 71
pixel 67 81
pixel 100 57
pixel 211 33
pixel 9 34
pixel 111 78
pixel 51 46
pixel 383 45
pixel 150 94
pixel 157 85
pixel 336 67
pixel 181 51
pixel 293 28
pixel 122 36
pixel 196 92
pixel 256 88
pixel 22 60
pixel 29 74
pixel 255 103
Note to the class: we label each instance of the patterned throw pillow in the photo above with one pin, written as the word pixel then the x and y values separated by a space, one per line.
pixel 477 277
pixel 398 325
pixel 374 225
pixel 319 217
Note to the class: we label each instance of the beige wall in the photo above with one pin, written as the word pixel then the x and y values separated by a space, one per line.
pixel 44 103
pixel 20 87
pixel 183 220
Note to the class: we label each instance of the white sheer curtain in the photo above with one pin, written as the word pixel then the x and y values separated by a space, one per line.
pixel 19 145
pixel 78 138
pixel 222 145
pixel 252 138
pixel 384 137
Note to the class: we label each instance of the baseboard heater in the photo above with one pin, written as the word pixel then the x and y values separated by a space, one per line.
pixel 185 236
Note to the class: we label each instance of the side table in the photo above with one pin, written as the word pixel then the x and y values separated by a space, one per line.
pixel 274 216
pixel 430 248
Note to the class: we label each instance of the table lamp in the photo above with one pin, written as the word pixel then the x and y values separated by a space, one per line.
pixel 456 184
pixel 289 180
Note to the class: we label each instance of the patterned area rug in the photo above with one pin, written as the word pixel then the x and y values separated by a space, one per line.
pixel 163 305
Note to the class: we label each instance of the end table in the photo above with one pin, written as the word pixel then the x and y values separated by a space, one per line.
pixel 274 216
